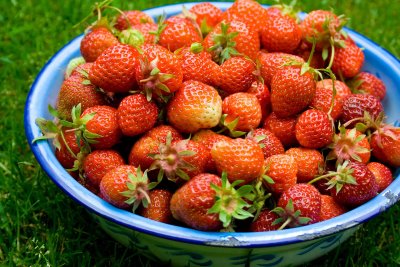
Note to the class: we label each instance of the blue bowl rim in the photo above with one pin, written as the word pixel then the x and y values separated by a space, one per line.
pixel 45 156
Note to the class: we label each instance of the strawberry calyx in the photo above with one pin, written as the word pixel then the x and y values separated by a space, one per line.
pixel 288 216
pixel 230 126
pixel 161 25
pixel 132 37
pixel 224 44
pixel 289 10
pixel 72 64
pixel 138 189
pixel 230 203
pixel 260 196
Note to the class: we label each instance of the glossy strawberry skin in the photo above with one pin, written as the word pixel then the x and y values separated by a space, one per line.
pixel 63 154
pixel 291 91
pixel 145 29
pixel 241 159
pixel 270 144
pixel 261 91
pixel 191 202
pixel 330 208
pixel 382 174
pixel 309 162
pixel 134 17
pixel 136 115
pixel 370 84
pixel 348 60
pixel 355 105
pixel 114 70
pixel 386 147
pixel 283 128
pixel 95 42
pixel 264 222
pixel 158 208
pixel 208 12
pixel 195 106
pixel 282 169
pixel 314 129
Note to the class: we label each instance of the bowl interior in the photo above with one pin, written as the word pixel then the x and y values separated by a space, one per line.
pixel 44 92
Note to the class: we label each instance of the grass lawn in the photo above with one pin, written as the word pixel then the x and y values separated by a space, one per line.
pixel 40 226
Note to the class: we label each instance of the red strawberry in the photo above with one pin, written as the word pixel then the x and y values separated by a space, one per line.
pixel 330 208
pixel 283 128
pixel 282 169
pixel 241 159
pixel 195 106
pixel 348 60
pixel 95 42
pixel 385 145
pixel 268 142
pixel 382 174
pixel 304 51
pixel 243 107
pixel 63 154
pixel 158 207
pixel 355 106
pixel 99 162
pixel 146 30
pixel 291 91
pixel 132 18
pixel 114 70
pixel 191 202
pixel 314 129
pixel 161 132
pixel 136 115
pixel 368 83
pixel 207 16
pixel 300 205
pixel 265 222
pixel 261 91
pixel 105 124
pixel 309 162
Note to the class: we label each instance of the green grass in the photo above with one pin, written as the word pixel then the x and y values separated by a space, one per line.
pixel 40 226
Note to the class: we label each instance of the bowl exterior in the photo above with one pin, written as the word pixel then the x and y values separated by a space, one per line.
pixel 173 253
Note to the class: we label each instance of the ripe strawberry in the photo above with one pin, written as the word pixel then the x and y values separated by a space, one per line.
pixel 324 93
pixel 178 32
pixel 265 222
pixel 291 91
pixel 131 18
pixel 95 42
pixel 146 30
pixel 114 70
pixel 272 62
pixel 353 184
pixel 241 159
pixel 348 60
pixel 282 169
pixel 161 132
pixel 355 106
pixel 368 83
pixel 207 16
pixel 191 202
pixel 382 174
pixel 75 90
pixel 300 205
pixel 314 129
pixel 309 162
pixel 330 208
pixel 105 124
pixel 136 115
pixel 243 107
pixel 69 149
pixel 99 162
pixel 350 144
pixel 160 71
pixel 158 207
pixel 283 128
pixel 196 106
pixel 304 51
pixel 125 185
pixel 261 91
pixel 385 145
pixel 268 142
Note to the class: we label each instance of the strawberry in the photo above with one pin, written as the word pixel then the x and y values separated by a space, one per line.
pixel 95 42
pixel 324 93
pixel 131 18
pixel 282 169
pixel 304 51
pixel 105 124
pixel 160 71
pixel 158 207
pixel 76 90
pixel 298 205
pixel 244 108
pixel 178 32
pixel 125 186
pixel 261 91
pixel 136 115
pixel 161 132
pixel 283 128
pixel 356 105
pixel 241 159
pixel 236 75
pixel 350 144
pixel 291 91
pixel 191 202
pixel 382 174
pixel 196 106
pixel 272 62
pixel 207 16
pixel 114 70
pixel 69 149
pixel 99 162
pixel 330 208
pixel 348 60
pixel 368 83
pixel 385 145
pixel 146 30
pixel 268 142
pixel 314 129
pixel 265 222
pixel 309 162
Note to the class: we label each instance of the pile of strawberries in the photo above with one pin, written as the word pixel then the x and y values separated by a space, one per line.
pixel 240 120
